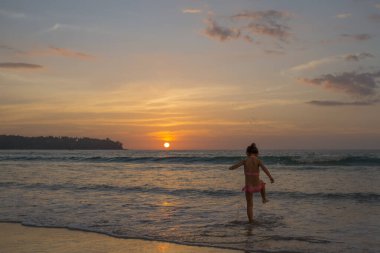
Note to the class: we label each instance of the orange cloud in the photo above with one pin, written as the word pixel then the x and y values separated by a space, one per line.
pixel 164 135
pixel 62 52
pixel 191 11
pixel 70 53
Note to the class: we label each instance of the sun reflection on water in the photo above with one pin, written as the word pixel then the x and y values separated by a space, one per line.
pixel 163 247
pixel 166 203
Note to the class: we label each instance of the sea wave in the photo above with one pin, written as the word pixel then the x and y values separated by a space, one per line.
pixel 287 160
pixel 122 235
pixel 193 192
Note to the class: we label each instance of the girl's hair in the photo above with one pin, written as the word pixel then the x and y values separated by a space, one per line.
pixel 252 149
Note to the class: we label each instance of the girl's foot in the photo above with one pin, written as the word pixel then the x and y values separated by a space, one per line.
pixel 265 201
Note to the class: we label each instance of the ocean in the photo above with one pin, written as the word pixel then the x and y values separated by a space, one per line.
pixel 321 201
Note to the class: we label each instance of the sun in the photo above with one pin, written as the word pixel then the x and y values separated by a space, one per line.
pixel 166 144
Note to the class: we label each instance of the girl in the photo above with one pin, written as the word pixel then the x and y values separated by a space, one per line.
pixel 253 183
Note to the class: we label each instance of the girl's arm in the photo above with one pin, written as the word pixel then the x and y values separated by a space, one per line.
pixel 266 171
pixel 234 167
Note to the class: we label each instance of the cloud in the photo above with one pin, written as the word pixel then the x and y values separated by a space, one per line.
pixel 247 38
pixel 277 31
pixel 313 64
pixel 64 52
pixel 357 37
pixel 19 65
pixel 192 11
pixel 61 52
pixel 51 51
pixel 357 57
pixel 270 23
pixel 274 52
pixel 339 103
pixel 360 37
pixel 59 27
pixel 62 27
pixel 377 6
pixel 249 25
pixel 352 83
pixel 73 28
pixel 215 31
pixel 343 15
pixel 374 17
pixel 6 47
pixel 269 16
pixel 12 14
pixel 329 60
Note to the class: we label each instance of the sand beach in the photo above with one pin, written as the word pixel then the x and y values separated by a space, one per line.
pixel 16 238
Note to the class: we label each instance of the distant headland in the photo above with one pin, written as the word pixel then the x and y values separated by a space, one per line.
pixel 53 142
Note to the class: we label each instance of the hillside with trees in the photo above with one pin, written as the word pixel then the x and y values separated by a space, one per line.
pixel 61 142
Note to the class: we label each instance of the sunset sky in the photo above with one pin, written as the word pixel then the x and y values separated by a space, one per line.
pixel 198 74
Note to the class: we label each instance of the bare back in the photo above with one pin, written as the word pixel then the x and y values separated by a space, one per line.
pixel 251 171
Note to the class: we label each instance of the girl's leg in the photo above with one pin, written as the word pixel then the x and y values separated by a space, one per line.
pixel 263 195
pixel 249 198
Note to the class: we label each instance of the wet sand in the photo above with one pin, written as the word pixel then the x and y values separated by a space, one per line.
pixel 16 238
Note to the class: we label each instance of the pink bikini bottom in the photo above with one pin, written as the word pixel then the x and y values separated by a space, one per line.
pixel 252 189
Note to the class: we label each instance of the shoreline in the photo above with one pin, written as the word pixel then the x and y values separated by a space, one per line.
pixel 18 238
